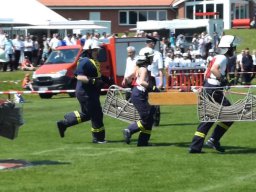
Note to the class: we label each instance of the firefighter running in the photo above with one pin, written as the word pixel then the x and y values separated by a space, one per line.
pixel 215 79
pixel 139 98
pixel 88 87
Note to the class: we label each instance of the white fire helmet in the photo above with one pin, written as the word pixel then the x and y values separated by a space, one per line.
pixel 145 53
pixel 226 42
pixel 91 44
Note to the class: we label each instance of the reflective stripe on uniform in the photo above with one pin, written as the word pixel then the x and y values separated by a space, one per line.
pixel 200 134
pixel 78 117
pixel 97 66
pixel 223 125
pixel 94 130
pixel 142 129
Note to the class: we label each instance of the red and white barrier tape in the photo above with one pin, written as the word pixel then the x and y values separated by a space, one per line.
pixel 54 91
pixel 191 73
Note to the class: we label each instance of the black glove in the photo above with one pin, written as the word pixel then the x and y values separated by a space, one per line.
pixel 223 81
pixel 97 82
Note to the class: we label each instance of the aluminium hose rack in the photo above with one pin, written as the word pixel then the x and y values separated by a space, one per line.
pixel 117 107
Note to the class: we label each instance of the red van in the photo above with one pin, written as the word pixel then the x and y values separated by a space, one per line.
pixel 57 73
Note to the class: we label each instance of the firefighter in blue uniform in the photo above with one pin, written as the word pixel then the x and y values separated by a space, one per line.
pixel 139 98
pixel 215 79
pixel 88 87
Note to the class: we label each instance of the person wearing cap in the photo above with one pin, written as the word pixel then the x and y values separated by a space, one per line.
pixel 198 60
pixel 211 54
pixel 156 71
pixel 215 79
pixel 88 89
pixel 169 60
pixel 177 58
pixel 139 99
pixel 185 61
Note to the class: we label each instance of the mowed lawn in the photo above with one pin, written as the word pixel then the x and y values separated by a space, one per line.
pixel 75 164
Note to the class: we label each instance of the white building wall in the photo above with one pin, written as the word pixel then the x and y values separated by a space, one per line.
pixel 226 9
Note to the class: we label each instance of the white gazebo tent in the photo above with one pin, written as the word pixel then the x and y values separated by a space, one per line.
pixel 30 12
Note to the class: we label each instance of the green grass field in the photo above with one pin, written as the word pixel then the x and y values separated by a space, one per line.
pixel 74 164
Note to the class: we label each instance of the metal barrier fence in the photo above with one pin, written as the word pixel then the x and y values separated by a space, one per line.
pixel 184 77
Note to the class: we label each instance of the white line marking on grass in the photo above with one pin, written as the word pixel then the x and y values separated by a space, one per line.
pixel 49 151
pixel 97 153
pixel 231 181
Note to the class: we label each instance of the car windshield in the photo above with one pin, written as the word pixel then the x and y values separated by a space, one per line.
pixel 62 56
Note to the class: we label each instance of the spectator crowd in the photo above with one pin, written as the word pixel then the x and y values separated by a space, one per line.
pixel 27 52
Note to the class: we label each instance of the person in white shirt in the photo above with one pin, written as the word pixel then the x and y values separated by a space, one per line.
pixel 156 71
pixel 199 61
pixel 54 42
pixel 211 54
pixel 186 62
pixel 254 62
pixel 201 44
pixel 238 65
pixel 130 70
pixel 18 46
pixel 2 39
pixel 177 59
pixel 181 41
pixel 68 40
pixel 9 50
pixel 169 60
pixel 28 47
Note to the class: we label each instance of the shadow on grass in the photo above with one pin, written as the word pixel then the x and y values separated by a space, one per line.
pixel 62 97
pixel 181 144
pixel 48 162
pixel 229 149
pixel 239 150
pixel 176 124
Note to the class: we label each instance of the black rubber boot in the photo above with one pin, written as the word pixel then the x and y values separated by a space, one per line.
pixel 62 126
pixel 143 139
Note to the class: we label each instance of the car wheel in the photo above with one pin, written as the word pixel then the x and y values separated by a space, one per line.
pixel 45 95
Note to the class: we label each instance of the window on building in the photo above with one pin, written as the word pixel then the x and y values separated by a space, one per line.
pixel 199 9
pixel 232 11
pixel 131 17
pixel 237 10
pixel 243 11
pixel 94 16
pixel 189 12
pixel 152 15
pixel 219 9
pixel 162 15
pixel 142 15
pixel 210 8
pixel 123 17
